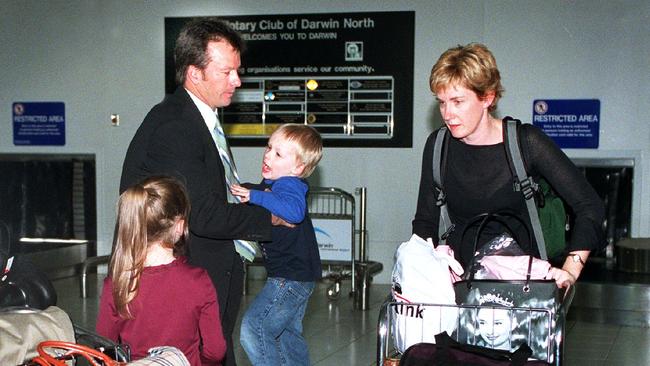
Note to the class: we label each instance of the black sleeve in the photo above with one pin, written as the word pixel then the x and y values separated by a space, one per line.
pixel 256 186
pixel 425 223
pixel 176 149
pixel 544 158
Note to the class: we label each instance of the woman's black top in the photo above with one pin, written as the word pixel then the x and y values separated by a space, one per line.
pixel 479 179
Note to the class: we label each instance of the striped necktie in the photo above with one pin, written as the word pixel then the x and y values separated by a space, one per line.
pixel 245 248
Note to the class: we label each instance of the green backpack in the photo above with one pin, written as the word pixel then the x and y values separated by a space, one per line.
pixel 547 216
pixel 553 218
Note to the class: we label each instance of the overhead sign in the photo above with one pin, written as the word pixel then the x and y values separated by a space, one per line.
pixel 348 75
pixel 39 123
pixel 571 123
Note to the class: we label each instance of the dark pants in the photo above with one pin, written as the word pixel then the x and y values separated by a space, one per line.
pixel 226 270
pixel 229 314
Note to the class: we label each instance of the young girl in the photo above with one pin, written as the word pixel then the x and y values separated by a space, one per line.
pixel 152 296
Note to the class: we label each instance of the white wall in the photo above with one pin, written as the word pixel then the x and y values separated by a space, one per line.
pixel 103 57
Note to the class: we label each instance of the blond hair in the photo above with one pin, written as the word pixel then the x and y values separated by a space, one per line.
pixel 471 66
pixel 308 142
pixel 147 212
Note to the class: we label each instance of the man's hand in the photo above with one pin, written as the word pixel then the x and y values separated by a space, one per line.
pixel 276 221
pixel 244 194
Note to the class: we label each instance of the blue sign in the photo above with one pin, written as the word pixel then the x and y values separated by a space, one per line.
pixel 571 123
pixel 39 123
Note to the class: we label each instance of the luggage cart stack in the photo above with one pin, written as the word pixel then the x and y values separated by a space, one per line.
pixel 332 211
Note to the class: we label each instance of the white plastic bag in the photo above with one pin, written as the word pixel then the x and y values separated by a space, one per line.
pixel 422 283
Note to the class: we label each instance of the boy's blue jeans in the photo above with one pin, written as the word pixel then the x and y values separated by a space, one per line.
pixel 271 329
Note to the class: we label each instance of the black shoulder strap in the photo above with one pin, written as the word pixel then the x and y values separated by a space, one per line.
pixel 523 182
pixel 445 226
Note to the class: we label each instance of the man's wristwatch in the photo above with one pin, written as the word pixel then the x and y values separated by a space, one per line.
pixel 577 259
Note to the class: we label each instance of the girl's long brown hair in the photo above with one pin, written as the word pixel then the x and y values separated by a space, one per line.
pixel 146 212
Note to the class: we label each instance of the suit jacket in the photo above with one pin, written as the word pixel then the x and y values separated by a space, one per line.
pixel 174 140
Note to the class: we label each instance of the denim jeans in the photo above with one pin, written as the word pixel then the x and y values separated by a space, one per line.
pixel 271 329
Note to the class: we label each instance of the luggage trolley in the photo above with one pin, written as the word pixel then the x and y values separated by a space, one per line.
pixel 332 212
pixel 542 329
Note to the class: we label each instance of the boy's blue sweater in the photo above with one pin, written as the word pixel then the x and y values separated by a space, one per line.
pixel 293 252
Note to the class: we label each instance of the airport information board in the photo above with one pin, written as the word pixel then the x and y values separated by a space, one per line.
pixel 338 107
pixel 349 75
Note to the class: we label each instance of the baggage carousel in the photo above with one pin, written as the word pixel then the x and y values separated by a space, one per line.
pixel 606 294
pixel 58 259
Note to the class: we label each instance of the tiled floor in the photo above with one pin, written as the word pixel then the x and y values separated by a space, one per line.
pixel 339 335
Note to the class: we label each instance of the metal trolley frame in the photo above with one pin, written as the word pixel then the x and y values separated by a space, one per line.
pixel 554 326
pixel 334 209
pixel 334 205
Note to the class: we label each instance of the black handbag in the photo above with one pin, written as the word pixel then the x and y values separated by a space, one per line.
pixel 526 306
pixel 525 292
pixel 119 352
pixel 22 284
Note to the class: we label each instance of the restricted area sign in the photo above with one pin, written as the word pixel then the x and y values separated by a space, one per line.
pixel 571 123
pixel 39 123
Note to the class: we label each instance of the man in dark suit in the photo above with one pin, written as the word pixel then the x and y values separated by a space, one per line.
pixel 175 139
